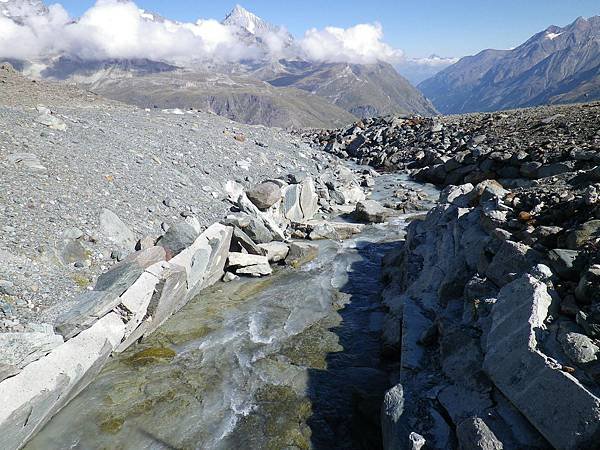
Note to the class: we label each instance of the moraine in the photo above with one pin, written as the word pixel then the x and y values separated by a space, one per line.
pixel 290 361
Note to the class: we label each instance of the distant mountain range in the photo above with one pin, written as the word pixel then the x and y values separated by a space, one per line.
pixel 558 65
pixel 286 91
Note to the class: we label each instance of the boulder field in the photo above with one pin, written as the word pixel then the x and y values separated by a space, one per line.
pixel 493 307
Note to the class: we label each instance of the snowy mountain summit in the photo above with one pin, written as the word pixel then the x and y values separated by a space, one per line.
pixel 242 18
pixel 20 9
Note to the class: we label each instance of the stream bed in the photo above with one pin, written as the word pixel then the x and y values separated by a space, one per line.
pixel 286 362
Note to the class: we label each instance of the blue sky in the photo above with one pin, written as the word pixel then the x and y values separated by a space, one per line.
pixel 419 27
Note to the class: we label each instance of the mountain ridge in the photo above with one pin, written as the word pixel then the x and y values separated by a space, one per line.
pixel 556 65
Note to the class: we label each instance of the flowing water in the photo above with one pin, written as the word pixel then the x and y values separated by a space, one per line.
pixel 287 362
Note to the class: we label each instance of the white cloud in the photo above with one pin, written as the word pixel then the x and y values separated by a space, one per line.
pixel 433 61
pixel 362 43
pixel 119 29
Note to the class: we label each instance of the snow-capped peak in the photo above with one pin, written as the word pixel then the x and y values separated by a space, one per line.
pixel 552 36
pixel 242 18
pixel 20 9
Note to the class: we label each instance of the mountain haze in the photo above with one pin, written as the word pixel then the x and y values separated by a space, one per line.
pixel 557 65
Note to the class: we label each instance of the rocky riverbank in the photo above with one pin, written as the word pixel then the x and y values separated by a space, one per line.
pixel 493 305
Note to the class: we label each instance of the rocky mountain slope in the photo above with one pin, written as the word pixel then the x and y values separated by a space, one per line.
pixel 557 65
pixel 283 89
pixel 365 90
pixel 62 164
pixel 493 299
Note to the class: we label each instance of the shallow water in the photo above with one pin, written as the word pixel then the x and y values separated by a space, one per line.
pixel 290 361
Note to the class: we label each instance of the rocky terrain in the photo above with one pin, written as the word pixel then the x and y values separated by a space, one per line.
pixel 66 163
pixel 493 304
pixel 114 218
pixel 557 65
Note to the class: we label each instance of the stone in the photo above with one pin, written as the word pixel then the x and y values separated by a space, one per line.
pixel 27 160
pixel 177 238
pixel 51 121
pixel 241 242
pixel 258 232
pixel 588 289
pixel 323 231
pixel 309 200
pixel 563 262
pixel 135 300
pixel 113 228
pixel 7 288
pixel 17 350
pixel 245 264
pixel 589 231
pixel 169 294
pixel 292 209
pixel 460 196
pixel 301 253
pixel 229 277
pixel 461 402
pixel 393 431
pixel 264 195
pixel 371 211
pixel 92 305
pixel 512 260
pixel 205 259
pixel 578 347
pixel 474 434
pixel 417 442
pixel 275 251
pixel 71 251
pixel 42 388
pixel 555 402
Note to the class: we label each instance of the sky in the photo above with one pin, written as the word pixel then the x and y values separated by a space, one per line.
pixel 418 27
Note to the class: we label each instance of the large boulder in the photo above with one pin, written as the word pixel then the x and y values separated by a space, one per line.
pixel 371 211
pixel 275 251
pixel 264 195
pixel 563 410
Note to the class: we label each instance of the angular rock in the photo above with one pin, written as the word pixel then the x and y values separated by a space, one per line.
pixel 275 251
pixel 17 350
pixel 588 289
pixel 292 209
pixel 116 231
pixel 474 434
pixel 205 259
pixel 92 305
pixel 460 196
pixel 565 412
pixel 309 200
pixel 578 347
pixel 371 211
pixel 589 231
pixel 301 253
pixel 563 263
pixel 32 397
pixel 512 260
pixel 177 238
pixel 245 264
pixel 241 242
pixel 169 296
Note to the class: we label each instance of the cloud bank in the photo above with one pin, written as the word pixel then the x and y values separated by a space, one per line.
pixel 120 29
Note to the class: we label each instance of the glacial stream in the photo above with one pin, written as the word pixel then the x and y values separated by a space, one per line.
pixel 286 362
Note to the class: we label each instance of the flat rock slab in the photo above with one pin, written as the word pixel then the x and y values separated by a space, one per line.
pixel 32 397
pixel 19 349
pixel 562 410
